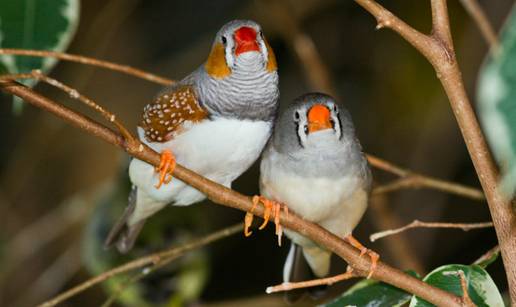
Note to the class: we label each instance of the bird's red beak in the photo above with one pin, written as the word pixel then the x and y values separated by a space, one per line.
pixel 245 39
pixel 319 118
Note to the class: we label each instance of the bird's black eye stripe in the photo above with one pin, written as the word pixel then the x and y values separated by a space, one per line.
pixel 261 34
pixel 299 141
pixel 224 40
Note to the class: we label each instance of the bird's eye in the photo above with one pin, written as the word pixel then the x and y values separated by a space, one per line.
pixel 261 34
pixel 224 40
pixel 296 116
pixel 306 129
pixel 335 109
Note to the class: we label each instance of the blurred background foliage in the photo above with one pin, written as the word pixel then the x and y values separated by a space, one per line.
pixel 61 189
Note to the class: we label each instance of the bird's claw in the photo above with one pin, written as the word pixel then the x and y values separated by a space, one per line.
pixel 269 207
pixel 364 250
pixel 166 167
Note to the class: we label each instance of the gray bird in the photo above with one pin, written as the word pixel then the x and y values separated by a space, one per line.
pixel 215 121
pixel 314 164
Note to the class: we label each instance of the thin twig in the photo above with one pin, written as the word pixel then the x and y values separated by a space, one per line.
pixel 140 275
pixel 399 247
pixel 225 196
pixel 414 180
pixel 73 93
pixel 288 286
pixel 438 50
pixel 479 17
pixel 152 259
pixel 488 254
pixel 466 299
pixel 88 61
pixel 419 224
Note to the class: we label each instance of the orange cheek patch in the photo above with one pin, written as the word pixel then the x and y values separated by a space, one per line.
pixel 271 60
pixel 216 65
pixel 318 118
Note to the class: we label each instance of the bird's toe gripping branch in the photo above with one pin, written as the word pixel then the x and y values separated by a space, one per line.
pixel 166 167
pixel 271 207
pixel 364 250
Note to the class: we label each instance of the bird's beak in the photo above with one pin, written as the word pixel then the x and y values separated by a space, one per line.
pixel 319 118
pixel 245 39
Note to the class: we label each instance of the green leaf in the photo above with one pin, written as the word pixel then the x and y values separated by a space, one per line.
pixel 481 288
pixel 497 104
pixel 368 292
pixel 36 24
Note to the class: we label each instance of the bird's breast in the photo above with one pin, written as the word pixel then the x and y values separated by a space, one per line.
pixel 220 148
pixel 314 198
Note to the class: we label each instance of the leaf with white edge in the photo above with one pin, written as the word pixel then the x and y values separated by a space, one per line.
pixel 497 104
pixel 368 292
pixel 36 24
pixel 481 288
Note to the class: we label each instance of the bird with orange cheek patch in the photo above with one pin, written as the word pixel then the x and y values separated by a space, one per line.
pixel 215 122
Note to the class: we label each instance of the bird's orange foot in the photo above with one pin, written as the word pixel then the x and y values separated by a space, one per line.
pixel 166 167
pixel 270 207
pixel 364 250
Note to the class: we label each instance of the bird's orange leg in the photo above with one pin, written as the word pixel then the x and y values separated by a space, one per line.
pixel 364 250
pixel 166 167
pixel 270 207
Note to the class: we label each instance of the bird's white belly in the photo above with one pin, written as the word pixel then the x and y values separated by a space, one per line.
pixel 312 198
pixel 220 149
pixel 336 204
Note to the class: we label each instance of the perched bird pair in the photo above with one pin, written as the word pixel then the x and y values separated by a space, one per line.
pixel 217 121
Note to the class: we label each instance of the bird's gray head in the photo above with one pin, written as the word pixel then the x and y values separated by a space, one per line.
pixel 314 121
pixel 240 45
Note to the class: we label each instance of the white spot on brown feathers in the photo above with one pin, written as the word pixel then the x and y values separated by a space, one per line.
pixel 167 114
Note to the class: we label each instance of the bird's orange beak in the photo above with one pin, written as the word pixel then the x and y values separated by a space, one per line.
pixel 245 39
pixel 319 118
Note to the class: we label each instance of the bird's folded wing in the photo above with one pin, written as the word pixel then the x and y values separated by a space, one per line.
pixel 170 112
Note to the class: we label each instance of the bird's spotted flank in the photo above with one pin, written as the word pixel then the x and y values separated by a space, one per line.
pixel 165 117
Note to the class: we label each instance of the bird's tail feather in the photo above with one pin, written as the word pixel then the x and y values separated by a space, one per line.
pixel 122 235
pixel 297 269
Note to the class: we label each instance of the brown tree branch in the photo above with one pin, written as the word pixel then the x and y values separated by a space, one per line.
pixel 419 224
pixel 159 258
pixel 438 49
pixel 222 195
